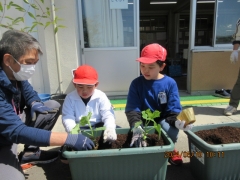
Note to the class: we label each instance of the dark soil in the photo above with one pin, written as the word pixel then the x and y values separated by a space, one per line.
pixel 221 135
pixel 124 140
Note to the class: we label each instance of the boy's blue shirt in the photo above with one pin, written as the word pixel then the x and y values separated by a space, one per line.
pixel 144 94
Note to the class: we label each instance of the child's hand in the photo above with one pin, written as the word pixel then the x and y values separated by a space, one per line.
pixel 137 138
pixel 181 125
pixel 109 134
pixel 234 56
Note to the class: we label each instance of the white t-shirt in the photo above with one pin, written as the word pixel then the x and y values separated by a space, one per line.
pixel 74 108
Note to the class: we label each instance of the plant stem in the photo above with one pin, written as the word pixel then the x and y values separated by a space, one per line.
pixel 4 6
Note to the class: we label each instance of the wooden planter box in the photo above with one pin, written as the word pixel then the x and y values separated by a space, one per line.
pixel 146 163
pixel 213 162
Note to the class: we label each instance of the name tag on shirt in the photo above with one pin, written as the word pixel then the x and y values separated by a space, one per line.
pixel 162 97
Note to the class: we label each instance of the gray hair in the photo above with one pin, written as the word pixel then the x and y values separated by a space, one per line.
pixel 17 44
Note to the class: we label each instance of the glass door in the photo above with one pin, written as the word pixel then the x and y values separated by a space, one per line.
pixel 109 42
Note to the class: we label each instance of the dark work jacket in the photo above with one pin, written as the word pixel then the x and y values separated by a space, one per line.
pixel 12 129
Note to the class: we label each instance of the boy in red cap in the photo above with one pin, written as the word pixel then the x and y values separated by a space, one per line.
pixel 155 91
pixel 86 98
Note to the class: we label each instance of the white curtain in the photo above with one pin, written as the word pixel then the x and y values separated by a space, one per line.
pixel 104 25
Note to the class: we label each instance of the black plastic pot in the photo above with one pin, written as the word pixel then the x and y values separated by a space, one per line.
pixel 59 98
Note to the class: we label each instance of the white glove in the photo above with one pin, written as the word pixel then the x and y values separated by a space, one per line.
pixel 137 137
pixel 234 56
pixel 180 125
pixel 109 134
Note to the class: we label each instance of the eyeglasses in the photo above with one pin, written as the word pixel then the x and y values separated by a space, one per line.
pixel 24 60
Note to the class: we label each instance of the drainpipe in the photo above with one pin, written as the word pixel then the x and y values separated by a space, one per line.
pixel 57 49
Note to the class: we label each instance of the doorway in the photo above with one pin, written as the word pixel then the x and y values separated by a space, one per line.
pixel 168 25
pixel 108 42
pixel 160 23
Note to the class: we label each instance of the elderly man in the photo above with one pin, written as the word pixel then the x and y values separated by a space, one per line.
pixel 23 117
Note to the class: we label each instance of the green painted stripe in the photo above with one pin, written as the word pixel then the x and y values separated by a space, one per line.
pixel 191 98
pixel 118 101
pixel 183 98
pixel 185 101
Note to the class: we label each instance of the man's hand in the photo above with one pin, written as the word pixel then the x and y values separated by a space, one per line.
pixel 181 125
pixel 38 107
pixel 234 56
pixel 137 138
pixel 79 142
pixel 109 135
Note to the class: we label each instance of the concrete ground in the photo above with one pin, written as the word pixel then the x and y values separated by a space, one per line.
pixel 204 115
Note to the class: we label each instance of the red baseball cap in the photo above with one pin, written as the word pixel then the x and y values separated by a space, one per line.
pixel 151 53
pixel 85 74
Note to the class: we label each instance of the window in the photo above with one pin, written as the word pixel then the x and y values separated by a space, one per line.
pixel 105 27
pixel 204 24
pixel 227 15
pixel 153 29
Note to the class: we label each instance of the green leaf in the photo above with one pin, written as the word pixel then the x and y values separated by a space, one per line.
pixel 18 7
pixel 41 24
pixel 44 16
pixel 48 11
pixel 156 114
pixel 56 19
pixel 61 26
pixel 76 129
pixel 26 1
pixel 47 24
pixel 1 7
pixel 9 5
pixel 42 1
pixel 148 111
pixel 7 17
pixel 34 6
pixel 85 119
pixel 55 30
pixel 144 115
pixel 148 115
pixel 26 28
pixel 137 124
pixel 19 19
pixel 5 26
pixel 37 23
pixel 31 15
pixel 33 26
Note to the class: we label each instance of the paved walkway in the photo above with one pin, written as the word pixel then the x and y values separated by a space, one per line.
pixel 205 114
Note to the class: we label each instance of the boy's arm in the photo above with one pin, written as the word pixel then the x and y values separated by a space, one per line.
pixel 68 117
pixel 133 117
pixel 132 110
pixel 171 118
pixel 173 106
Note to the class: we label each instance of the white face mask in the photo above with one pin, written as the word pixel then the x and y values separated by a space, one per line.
pixel 26 71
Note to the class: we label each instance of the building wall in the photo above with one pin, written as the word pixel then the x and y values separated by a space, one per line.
pixel 212 70
pixel 209 70
pixel 61 48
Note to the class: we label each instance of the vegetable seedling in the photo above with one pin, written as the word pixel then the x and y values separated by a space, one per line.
pixel 83 121
pixel 149 116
